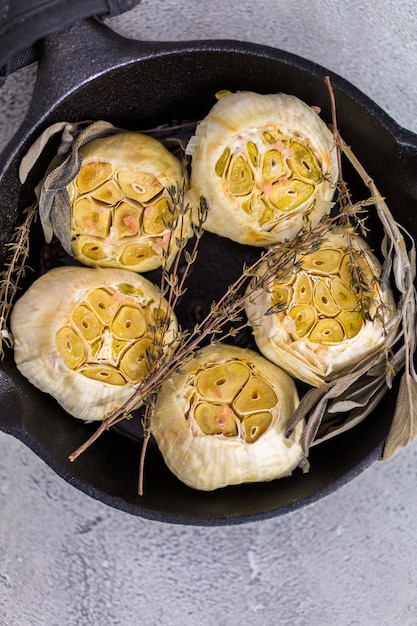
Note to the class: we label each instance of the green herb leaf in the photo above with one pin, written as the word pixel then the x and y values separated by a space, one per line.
pixel 404 423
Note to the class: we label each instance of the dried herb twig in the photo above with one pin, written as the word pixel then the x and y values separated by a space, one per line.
pixel 360 390
pixel 15 270
pixel 173 287
pixel 275 260
pixel 404 424
pixel 221 314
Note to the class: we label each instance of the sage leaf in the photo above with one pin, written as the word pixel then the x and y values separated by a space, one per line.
pixel 54 200
pixel 335 424
pixel 314 403
pixel 359 396
pixel 404 424
pixel 35 150
pixel 307 403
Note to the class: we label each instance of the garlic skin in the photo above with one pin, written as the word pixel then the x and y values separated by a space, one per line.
pixel 221 421
pixel 83 336
pixel 264 163
pixel 318 330
pixel 120 204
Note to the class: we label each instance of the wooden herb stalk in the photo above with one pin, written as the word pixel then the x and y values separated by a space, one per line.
pixel 403 262
pixel 215 326
pixel 15 270
pixel 403 266
pixel 357 393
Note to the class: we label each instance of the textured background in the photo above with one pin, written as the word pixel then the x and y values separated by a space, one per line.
pixel 349 559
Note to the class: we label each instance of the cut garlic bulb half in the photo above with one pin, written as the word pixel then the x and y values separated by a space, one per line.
pixel 122 214
pixel 85 336
pixel 221 421
pixel 326 313
pixel 266 164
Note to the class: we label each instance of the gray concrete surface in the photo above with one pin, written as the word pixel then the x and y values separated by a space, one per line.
pixel 347 560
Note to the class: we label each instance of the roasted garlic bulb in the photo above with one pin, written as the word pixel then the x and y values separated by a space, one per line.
pixel 329 311
pixel 121 210
pixel 266 164
pixel 85 336
pixel 221 421
pixel 113 198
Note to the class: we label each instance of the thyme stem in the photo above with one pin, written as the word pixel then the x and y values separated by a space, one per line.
pixel 15 270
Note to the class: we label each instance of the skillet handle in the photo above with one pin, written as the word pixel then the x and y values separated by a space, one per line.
pixel 70 58
pixel 67 60
pixel 407 171
pixel 25 22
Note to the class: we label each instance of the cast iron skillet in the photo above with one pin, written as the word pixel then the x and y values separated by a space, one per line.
pixel 90 72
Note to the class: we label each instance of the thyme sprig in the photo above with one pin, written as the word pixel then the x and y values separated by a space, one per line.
pixel 15 269
pixel 172 287
pixel 276 260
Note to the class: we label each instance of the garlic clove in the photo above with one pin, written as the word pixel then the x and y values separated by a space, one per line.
pixel 91 218
pixel 343 296
pixel 70 347
pixel 156 217
pixel 303 162
pixel 352 322
pixel 136 254
pixel 134 363
pixel 128 323
pixel 304 316
pixel 108 193
pixel 281 296
pixel 288 196
pixel 256 395
pixel 216 419
pixel 139 186
pixel 303 289
pixel 91 175
pixel 324 261
pixel 255 425
pixel 222 382
pixel 240 177
pixel 323 300
pixel 273 167
pixel 93 251
pixel 103 304
pixel 327 331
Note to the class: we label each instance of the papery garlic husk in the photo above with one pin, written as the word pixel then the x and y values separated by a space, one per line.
pixel 315 321
pixel 85 336
pixel 221 420
pixel 108 201
pixel 266 165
